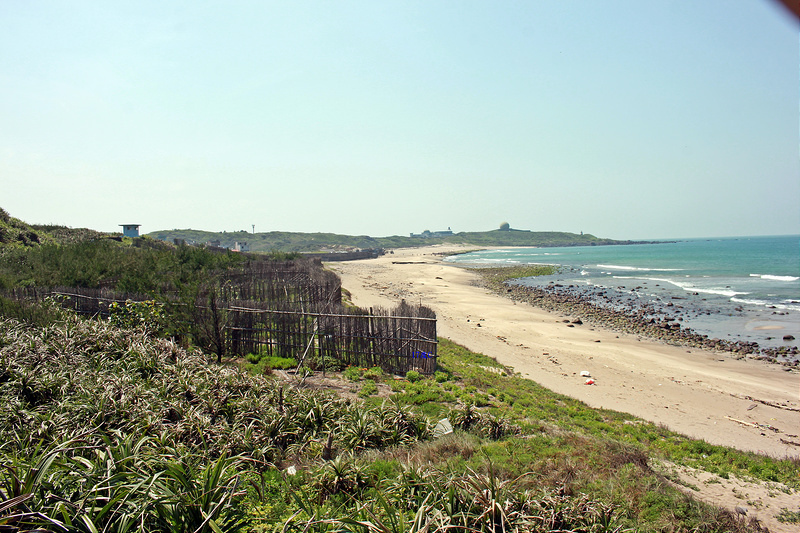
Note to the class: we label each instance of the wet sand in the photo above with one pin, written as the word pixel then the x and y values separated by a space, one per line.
pixel 676 319
pixel 748 404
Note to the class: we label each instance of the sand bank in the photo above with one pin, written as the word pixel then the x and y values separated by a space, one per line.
pixel 750 405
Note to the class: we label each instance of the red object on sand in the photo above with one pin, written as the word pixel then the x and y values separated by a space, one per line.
pixel 589 382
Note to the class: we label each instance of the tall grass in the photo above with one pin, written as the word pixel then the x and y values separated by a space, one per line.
pixel 108 429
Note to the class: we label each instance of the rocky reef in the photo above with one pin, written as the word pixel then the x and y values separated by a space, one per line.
pixel 630 314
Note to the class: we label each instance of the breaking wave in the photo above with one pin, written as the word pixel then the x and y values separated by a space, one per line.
pixel 639 269
pixel 775 278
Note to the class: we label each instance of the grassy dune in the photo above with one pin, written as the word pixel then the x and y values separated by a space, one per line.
pixel 109 429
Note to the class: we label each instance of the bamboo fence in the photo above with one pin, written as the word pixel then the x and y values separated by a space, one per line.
pixel 283 312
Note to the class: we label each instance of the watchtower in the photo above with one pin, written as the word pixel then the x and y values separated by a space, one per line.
pixel 130 230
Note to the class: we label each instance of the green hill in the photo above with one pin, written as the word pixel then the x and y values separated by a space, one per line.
pixel 314 242
pixel 15 233
pixel 65 235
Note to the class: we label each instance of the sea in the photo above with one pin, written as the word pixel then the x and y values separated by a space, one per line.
pixel 732 288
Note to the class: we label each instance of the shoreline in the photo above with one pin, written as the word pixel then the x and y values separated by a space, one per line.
pixel 743 403
pixel 608 308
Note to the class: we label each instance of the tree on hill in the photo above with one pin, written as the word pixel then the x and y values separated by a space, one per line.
pixel 505 227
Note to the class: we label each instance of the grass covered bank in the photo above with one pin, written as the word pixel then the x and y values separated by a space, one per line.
pixel 109 429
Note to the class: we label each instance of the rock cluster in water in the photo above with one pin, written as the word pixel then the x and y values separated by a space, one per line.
pixel 636 316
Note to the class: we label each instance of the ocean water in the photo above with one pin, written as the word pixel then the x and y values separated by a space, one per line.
pixel 745 288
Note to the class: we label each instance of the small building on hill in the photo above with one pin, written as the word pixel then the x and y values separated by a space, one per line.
pixel 432 234
pixel 130 230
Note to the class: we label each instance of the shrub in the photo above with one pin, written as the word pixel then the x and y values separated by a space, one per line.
pixel 382 469
pixel 441 377
pixel 330 364
pixel 413 376
pixel 281 363
pixel 353 373
pixel 368 388
pixel 374 373
pixel 39 314
pixel 787 516
pixel 261 368
pixel 481 400
pixel 260 363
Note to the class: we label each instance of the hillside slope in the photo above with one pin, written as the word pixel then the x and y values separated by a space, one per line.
pixel 314 242
pixel 14 233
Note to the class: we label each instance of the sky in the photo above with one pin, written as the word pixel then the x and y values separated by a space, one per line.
pixel 624 119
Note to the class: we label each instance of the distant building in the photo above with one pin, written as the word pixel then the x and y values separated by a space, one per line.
pixel 432 234
pixel 215 244
pixel 241 247
pixel 130 230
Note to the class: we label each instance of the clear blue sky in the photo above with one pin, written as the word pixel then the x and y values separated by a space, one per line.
pixel 624 119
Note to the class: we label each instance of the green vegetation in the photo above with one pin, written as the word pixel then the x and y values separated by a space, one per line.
pixel 55 256
pixel 181 286
pixel 413 376
pixel 263 363
pixel 314 242
pixel 352 373
pixel 532 405
pixel 15 233
pixel 789 517
pixel 130 431
pixel 496 276
pixel 65 235
pixel 140 266
pixel 106 425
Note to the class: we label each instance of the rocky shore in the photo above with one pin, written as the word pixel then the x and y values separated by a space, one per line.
pixel 640 316
pixel 659 381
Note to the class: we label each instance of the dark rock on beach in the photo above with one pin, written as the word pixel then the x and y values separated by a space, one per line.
pixel 636 316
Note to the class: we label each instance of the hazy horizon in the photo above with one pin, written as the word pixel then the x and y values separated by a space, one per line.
pixel 702 237
pixel 622 119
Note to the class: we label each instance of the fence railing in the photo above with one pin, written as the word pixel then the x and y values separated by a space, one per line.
pixel 396 340
pixel 395 343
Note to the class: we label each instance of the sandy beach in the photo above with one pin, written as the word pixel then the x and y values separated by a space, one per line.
pixel 751 405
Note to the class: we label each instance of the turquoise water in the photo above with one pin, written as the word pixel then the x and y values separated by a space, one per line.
pixel 749 286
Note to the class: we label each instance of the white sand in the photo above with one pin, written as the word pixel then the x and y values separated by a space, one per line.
pixel 698 393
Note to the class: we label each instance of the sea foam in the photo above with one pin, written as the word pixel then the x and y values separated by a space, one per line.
pixel 639 269
pixel 691 287
pixel 786 305
pixel 775 278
